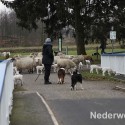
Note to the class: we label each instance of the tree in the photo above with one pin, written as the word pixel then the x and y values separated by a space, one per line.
pixel 86 16
pixel 54 13
pixel 12 35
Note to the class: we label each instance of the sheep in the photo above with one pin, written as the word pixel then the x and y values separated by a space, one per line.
pixel 65 63
pixel 54 67
pixel 55 59
pixel 5 54
pixel 40 68
pixel 88 63
pixel 80 66
pixel 96 67
pixel 17 56
pixel 33 54
pixel 25 63
pixel 68 57
pixel 38 60
pixel 81 58
pixel 78 59
pixel 18 77
pixel 14 70
pixel 106 69
pixel 61 54
pixel 39 54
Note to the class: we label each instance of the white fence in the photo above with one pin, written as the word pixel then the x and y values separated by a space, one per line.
pixel 114 61
pixel 6 91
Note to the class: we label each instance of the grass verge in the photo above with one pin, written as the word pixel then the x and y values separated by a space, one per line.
pixel 98 77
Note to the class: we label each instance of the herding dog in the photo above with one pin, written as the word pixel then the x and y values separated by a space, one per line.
pixel 61 75
pixel 76 77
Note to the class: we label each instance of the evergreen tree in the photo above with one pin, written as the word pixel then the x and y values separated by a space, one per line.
pixel 90 18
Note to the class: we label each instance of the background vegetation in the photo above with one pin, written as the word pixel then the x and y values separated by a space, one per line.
pixel 90 19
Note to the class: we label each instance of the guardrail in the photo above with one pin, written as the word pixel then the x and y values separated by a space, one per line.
pixel 6 91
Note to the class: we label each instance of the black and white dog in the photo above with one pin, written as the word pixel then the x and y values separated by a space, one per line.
pixel 75 77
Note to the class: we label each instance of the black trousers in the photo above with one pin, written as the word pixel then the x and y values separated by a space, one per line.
pixel 47 72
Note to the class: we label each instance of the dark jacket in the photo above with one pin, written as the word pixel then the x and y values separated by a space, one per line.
pixel 47 53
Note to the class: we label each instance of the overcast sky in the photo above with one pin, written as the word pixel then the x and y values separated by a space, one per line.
pixel 3 7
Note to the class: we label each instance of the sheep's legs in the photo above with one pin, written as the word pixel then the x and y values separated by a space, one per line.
pixel 81 86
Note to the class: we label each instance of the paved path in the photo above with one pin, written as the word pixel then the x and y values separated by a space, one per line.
pixel 34 109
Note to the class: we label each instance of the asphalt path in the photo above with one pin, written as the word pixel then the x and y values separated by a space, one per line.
pixel 76 107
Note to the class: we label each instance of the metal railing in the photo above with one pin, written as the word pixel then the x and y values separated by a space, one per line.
pixel 6 91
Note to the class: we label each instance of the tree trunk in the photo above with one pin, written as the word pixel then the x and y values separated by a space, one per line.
pixel 80 44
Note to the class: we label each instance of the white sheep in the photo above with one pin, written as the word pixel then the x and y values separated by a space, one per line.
pixel 25 63
pixel 55 59
pixel 54 67
pixel 88 63
pixel 39 69
pixel 68 57
pixel 5 53
pixel 39 54
pixel 106 69
pixel 78 59
pixel 80 66
pixel 38 60
pixel 61 54
pixel 14 70
pixel 65 63
pixel 18 77
pixel 81 58
pixel 96 67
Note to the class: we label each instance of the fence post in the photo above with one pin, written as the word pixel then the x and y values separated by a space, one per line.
pixel 97 52
pixel 67 50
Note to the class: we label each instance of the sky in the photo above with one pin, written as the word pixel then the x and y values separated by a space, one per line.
pixel 3 7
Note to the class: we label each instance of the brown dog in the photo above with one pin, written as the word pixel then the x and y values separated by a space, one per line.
pixel 61 75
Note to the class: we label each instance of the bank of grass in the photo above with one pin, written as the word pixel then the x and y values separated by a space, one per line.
pixel 94 76
pixel 98 77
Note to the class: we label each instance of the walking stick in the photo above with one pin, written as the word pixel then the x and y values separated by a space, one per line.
pixel 37 77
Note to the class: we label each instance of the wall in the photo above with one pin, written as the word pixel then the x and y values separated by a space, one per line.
pixel 6 91
pixel 115 61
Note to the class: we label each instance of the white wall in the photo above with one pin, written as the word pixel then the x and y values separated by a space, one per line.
pixel 114 61
pixel 6 91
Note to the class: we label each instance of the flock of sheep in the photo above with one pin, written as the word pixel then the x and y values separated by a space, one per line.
pixel 33 63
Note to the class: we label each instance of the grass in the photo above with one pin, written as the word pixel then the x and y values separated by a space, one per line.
pixel 94 76
pixel 2 58
pixel 98 77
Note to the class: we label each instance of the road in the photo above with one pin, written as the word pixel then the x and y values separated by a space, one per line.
pixel 76 107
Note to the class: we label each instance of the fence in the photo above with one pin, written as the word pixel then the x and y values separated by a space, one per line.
pixel 115 61
pixel 6 91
